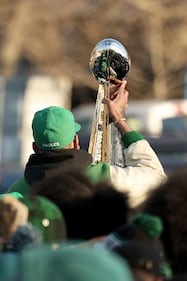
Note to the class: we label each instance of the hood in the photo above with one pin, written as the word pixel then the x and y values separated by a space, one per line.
pixel 41 164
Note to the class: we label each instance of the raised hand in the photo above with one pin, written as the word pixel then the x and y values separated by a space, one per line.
pixel 118 101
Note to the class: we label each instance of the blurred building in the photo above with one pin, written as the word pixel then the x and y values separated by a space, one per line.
pixel 19 99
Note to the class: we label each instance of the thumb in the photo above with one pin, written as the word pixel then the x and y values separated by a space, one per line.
pixel 105 100
pixel 124 83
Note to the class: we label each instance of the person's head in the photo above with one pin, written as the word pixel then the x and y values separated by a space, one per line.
pixel 147 262
pixel 169 203
pixel 54 128
pixel 142 227
pixel 90 210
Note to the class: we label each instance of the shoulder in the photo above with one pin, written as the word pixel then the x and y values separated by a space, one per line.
pixel 20 186
pixel 99 171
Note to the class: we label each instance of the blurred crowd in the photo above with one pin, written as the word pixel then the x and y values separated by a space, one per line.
pixel 69 219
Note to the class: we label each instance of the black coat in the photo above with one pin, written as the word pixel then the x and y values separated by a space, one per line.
pixel 41 164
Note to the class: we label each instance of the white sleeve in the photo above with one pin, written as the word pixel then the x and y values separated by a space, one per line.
pixel 142 173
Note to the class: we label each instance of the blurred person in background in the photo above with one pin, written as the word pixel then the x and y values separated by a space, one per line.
pixel 146 262
pixel 168 202
pixel 29 221
pixel 90 210
pixel 73 264
pixel 142 227
pixel 12 215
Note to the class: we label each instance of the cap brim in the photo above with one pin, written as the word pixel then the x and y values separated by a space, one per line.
pixel 77 127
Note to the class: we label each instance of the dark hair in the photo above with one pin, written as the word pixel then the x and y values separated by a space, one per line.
pixel 89 210
pixel 180 277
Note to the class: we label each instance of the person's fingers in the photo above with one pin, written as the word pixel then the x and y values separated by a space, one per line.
pixel 114 88
pixel 106 101
pixel 126 93
pixel 118 98
pixel 113 95
pixel 113 91
pixel 123 84
pixel 117 89
pixel 122 96
pixel 115 80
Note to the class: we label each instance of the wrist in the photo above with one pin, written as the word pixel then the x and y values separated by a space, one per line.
pixel 122 125
pixel 119 120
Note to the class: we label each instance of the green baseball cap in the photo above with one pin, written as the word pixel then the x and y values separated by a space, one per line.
pixel 54 127
pixel 14 194
pixel 47 217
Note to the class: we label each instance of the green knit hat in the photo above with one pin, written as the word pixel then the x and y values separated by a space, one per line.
pixel 54 127
pixel 151 225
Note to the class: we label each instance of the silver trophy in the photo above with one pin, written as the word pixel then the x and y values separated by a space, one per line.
pixel 108 59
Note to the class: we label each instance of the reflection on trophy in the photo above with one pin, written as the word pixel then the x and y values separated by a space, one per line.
pixel 108 59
